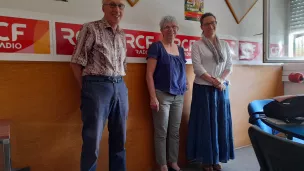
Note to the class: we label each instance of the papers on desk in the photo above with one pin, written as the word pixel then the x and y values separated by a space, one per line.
pixel 280 122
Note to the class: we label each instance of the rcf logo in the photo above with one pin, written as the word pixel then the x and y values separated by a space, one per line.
pixel 9 42
pixel 66 37
pixel 138 42
pixel 132 2
pixel 249 50
pixel 24 35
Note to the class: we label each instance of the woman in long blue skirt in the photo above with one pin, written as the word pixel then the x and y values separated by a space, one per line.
pixel 210 139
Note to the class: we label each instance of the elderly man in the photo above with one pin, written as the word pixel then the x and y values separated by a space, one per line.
pixel 99 63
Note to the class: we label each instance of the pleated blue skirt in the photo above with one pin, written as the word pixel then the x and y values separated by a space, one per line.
pixel 210 138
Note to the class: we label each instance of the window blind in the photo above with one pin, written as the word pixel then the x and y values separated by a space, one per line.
pixel 297 14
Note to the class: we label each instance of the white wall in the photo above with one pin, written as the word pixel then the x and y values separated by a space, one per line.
pixel 147 13
pixel 252 24
pixel 144 15
pixel 74 8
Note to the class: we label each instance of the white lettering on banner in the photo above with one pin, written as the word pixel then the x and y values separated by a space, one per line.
pixel 131 42
pixel 142 42
pixel 141 52
pixel 15 31
pixel 139 42
pixel 184 42
pixel 4 38
pixel 70 36
pixel 8 45
pixel 148 42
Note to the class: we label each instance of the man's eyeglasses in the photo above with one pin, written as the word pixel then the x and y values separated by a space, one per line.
pixel 211 23
pixel 113 5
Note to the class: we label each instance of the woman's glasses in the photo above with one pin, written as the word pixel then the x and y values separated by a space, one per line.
pixel 213 23
pixel 170 27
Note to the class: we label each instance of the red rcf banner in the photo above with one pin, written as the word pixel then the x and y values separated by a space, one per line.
pixel 66 35
pixel 249 50
pixel 19 35
pixel 186 42
pixel 138 42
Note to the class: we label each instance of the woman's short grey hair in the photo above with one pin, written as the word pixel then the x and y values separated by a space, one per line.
pixel 167 19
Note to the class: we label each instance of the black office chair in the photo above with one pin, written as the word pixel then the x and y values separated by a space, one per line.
pixel 275 153
pixel 256 111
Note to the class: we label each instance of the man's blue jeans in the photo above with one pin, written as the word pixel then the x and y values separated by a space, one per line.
pixel 104 98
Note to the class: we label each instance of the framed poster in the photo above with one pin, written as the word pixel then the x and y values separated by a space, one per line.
pixel 194 9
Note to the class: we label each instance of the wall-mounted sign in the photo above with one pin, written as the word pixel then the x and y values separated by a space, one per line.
pixel 66 34
pixel 19 35
pixel 138 42
pixel 31 36
pixel 249 50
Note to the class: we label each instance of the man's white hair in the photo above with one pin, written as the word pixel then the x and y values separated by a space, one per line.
pixel 103 1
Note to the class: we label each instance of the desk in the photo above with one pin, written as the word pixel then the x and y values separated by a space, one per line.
pixel 292 130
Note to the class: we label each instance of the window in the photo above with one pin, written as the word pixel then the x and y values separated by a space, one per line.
pixel 297 47
pixel 296 15
pixel 284 31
